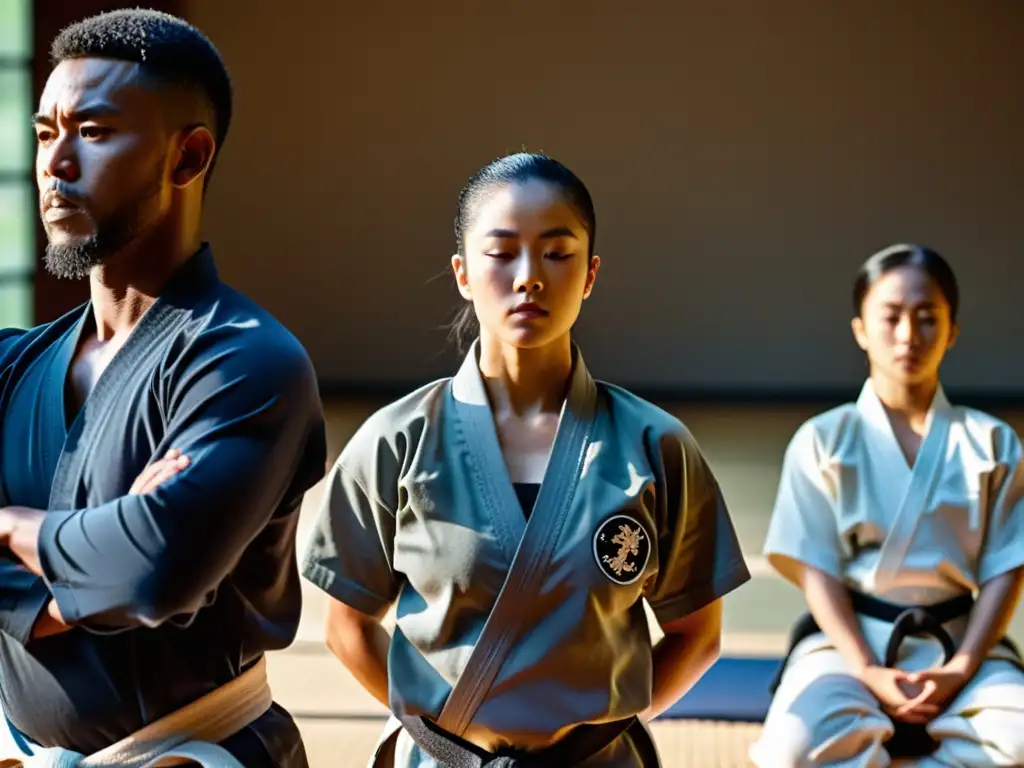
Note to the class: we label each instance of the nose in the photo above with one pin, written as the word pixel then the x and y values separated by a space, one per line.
pixel 529 278
pixel 906 330
pixel 58 160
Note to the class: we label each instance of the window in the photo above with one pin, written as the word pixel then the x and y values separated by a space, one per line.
pixel 17 186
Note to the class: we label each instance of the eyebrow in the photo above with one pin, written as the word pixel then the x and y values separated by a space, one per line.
pixel 545 235
pixel 91 112
pixel 920 305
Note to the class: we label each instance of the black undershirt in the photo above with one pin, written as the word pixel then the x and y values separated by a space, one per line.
pixel 527 494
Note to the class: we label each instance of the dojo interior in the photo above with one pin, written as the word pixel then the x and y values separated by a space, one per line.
pixel 745 158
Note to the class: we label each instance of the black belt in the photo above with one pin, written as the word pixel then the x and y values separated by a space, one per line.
pixel 917 620
pixel 580 744
pixel 909 739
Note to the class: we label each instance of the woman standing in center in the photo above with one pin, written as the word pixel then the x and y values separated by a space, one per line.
pixel 519 513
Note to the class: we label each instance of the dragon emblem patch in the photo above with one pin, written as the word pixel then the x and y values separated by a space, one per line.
pixel 622 549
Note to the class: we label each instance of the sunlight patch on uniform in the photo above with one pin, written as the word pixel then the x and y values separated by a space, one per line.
pixel 592 450
pixel 637 482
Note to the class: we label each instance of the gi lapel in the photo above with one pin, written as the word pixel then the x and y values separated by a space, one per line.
pixel 926 473
pixel 168 311
pixel 530 544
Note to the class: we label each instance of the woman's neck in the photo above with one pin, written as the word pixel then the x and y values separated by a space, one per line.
pixel 911 401
pixel 525 381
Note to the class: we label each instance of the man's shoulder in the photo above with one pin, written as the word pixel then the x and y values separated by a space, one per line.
pixel 15 341
pixel 230 342
pixel 10 338
pixel 235 324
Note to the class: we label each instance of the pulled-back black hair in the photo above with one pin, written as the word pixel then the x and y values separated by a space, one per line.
pixel 517 168
pixel 169 52
pixel 907 255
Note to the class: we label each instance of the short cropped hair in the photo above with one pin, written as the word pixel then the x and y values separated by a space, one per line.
pixel 169 52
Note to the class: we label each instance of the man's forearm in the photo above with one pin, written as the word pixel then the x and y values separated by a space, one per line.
pixel 20 533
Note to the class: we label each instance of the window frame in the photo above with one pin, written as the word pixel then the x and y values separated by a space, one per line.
pixel 23 179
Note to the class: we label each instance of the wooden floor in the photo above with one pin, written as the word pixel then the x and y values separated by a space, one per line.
pixel 744 446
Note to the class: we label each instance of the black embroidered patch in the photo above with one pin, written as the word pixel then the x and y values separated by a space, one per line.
pixel 622 548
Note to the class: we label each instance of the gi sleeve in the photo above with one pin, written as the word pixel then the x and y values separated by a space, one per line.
pixel 247 413
pixel 351 553
pixel 803 525
pixel 1003 547
pixel 23 595
pixel 699 555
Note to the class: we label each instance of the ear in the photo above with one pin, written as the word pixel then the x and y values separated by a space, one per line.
pixel 461 276
pixel 857 324
pixel 592 268
pixel 194 155
pixel 954 334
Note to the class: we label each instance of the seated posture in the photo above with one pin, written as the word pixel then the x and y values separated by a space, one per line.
pixel 901 518
pixel 155 443
pixel 519 513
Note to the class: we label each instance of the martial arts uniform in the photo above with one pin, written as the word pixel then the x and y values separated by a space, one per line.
pixel 516 626
pixel 850 506
pixel 177 592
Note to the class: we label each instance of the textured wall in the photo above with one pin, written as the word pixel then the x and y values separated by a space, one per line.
pixel 745 158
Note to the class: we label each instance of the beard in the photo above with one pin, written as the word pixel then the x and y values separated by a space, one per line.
pixel 74 261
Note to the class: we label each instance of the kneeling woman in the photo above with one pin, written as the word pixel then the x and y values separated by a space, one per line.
pixel 518 513
pixel 892 512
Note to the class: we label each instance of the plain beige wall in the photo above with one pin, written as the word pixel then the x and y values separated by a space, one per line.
pixel 745 157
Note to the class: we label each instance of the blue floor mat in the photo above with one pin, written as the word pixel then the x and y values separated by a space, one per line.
pixel 734 689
